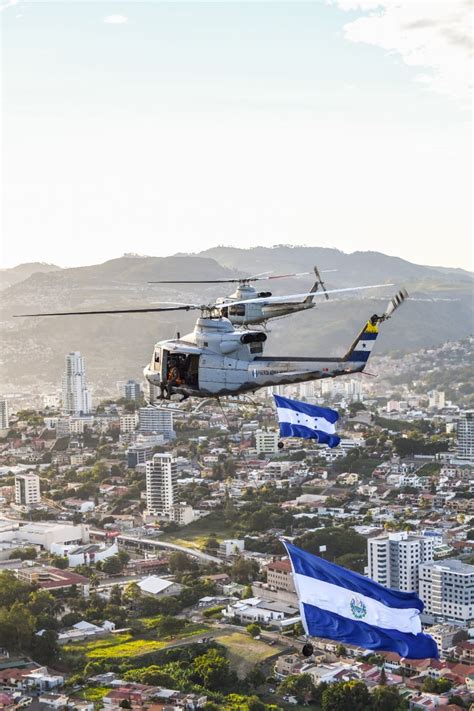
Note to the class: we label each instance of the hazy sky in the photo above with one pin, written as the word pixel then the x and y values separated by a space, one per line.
pixel 156 127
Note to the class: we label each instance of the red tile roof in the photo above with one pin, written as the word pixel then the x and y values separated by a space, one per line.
pixel 280 565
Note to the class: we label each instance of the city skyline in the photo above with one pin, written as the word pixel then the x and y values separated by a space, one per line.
pixel 343 124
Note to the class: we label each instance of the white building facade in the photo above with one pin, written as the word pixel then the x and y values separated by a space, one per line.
pixel 4 422
pixel 155 419
pixel 266 442
pixel 465 438
pixel 27 489
pixel 161 483
pixel 394 559
pixel 447 589
pixel 76 399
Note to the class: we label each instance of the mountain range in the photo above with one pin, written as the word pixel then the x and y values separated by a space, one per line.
pixel 117 347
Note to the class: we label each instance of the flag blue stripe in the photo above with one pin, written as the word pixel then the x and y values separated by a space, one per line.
pixel 319 569
pixel 329 625
pixel 287 429
pixel 368 336
pixel 306 408
pixel 359 356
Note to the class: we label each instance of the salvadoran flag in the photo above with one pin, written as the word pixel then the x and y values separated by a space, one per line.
pixel 298 419
pixel 339 604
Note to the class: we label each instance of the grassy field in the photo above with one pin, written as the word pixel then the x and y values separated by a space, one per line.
pixel 132 648
pixel 121 646
pixel 198 532
pixel 244 652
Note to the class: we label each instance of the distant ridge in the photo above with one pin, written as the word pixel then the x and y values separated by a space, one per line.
pixel 8 277
pixel 117 347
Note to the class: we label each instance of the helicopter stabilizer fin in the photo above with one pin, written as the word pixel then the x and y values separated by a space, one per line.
pixel 361 349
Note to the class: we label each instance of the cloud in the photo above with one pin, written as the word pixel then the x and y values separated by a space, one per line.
pixel 433 35
pixel 7 3
pixel 116 20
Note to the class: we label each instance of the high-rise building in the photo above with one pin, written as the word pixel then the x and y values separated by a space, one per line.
pixel 4 422
pixel 27 489
pixel 436 399
pixel 447 589
pixel 394 559
pixel 130 390
pixel 76 399
pixel 267 442
pixel 155 419
pixel 161 483
pixel 465 438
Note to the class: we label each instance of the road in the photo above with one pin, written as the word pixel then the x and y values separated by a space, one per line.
pixel 150 544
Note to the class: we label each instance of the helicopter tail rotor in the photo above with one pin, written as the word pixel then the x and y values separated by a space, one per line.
pixel 320 282
pixel 317 285
pixel 394 303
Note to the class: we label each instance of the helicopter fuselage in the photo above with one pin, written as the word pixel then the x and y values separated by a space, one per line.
pixel 216 360
pixel 248 314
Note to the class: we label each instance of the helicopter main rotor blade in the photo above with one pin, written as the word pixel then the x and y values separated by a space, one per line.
pixel 255 277
pixel 187 307
pixel 284 299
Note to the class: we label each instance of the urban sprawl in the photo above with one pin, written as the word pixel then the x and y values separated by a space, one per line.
pixel 141 563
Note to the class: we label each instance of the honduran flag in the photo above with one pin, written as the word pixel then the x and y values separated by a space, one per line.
pixel 298 419
pixel 339 604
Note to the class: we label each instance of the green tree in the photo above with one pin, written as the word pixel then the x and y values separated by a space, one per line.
pixel 170 626
pixel 180 563
pixel 341 651
pixel 17 625
pixel 388 698
pixel 346 696
pixel 45 647
pixel 112 565
pixel 212 670
pixel 244 571
pixel 12 590
pixel 300 686
pixel 253 629
pixel 27 553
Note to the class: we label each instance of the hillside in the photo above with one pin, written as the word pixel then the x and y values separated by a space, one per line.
pixel 9 277
pixel 117 347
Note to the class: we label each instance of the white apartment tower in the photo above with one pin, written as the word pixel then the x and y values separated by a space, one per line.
pixel 436 399
pixel 447 589
pixel 161 483
pixel 155 419
pixel 4 422
pixel 267 442
pixel 76 399
pixel 394 559
pixel 27 489
pixel 465 439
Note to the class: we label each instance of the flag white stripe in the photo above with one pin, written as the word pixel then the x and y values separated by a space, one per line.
pixel 334 598
pixel 293 417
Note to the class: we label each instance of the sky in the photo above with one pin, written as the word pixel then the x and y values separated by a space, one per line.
pixel 161 127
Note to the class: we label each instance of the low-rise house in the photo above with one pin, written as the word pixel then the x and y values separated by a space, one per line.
pixel 154 585
pixel 54 701
pixel 42 679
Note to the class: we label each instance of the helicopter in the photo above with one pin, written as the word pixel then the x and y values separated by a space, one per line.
pixel 241 307
pixel 216 359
